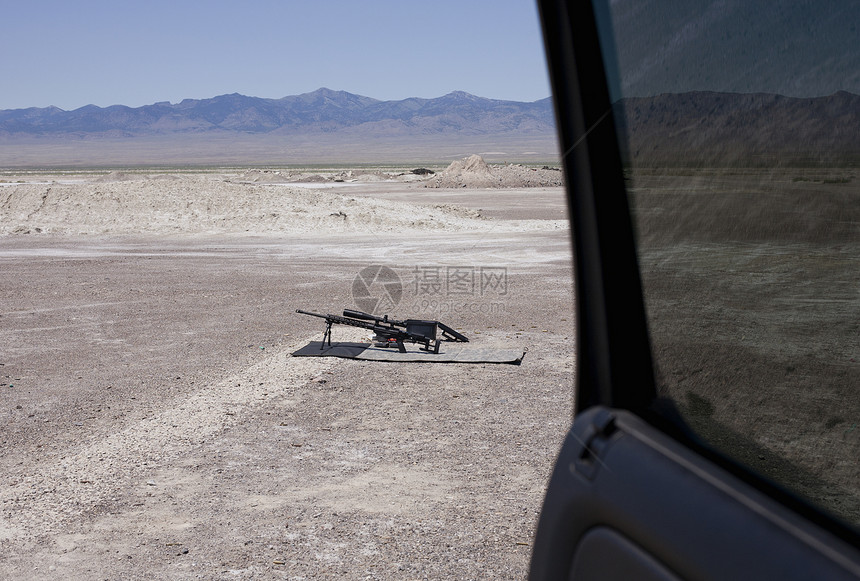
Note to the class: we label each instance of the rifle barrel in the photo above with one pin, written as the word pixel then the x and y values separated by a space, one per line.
pixel 312 314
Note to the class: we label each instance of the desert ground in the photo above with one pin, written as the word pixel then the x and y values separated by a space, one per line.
pixel 155 425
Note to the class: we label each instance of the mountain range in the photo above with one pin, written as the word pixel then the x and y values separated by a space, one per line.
pixel 321 111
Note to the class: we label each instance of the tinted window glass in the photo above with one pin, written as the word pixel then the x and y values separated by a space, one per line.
pixel 742 139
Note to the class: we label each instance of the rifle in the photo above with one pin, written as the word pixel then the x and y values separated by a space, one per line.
pixel 390 331
pixel 448 334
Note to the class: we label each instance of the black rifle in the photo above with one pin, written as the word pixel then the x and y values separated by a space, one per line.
pixel 390 331
pixel 448 334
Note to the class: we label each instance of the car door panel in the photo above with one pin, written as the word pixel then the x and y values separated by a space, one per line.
pixel 663 511
pixel 605 553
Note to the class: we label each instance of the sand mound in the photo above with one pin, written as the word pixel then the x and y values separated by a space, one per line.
pixel 124 176
pixel 474 172
pixel 119 176
pixel 204 205
pixel 305 178
pixel 472 165
pixel 263 176
pixel 469 172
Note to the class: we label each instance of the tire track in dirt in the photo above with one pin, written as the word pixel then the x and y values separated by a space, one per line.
pixel 42 501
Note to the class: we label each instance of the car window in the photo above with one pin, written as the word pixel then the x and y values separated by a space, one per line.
pixel 740 130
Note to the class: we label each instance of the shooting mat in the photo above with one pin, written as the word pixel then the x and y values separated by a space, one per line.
pixel 449 352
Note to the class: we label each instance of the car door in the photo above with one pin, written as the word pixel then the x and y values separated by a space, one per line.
pixel 641 489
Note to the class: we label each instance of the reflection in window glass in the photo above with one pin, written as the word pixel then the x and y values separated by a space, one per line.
pixel 742 137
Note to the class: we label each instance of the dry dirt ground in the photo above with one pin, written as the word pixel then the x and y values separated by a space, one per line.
pixel 156 427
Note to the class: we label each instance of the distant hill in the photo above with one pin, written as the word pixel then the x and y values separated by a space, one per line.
pixel 742 129
pixel 322 111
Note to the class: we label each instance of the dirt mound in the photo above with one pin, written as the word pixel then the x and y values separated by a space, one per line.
pixel 119 176
pixel 308 178
pixel 269 176
pixel 207 205
pixel 469 172
pixel 261 176
pixel 474 172
pixel 474 164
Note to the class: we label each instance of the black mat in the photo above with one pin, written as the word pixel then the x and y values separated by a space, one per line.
pixel 449 352
pixel 343 349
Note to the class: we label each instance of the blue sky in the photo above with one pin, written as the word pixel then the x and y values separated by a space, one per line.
pixel 70 54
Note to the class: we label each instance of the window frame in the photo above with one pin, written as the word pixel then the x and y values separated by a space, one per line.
pixel 614 367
